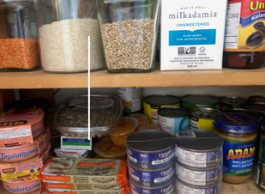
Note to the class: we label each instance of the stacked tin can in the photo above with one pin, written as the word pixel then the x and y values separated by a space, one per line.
pixel 151 162
pixel 199 162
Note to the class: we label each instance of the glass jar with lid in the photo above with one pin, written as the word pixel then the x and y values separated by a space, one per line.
pixel 129 34
pixel 19 49
pixel 239 132
pixel 64 30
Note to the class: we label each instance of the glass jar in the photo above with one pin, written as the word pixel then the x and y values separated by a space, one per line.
pixel 239 132
pixel 19 49
pixel 129 34
pixel 64 28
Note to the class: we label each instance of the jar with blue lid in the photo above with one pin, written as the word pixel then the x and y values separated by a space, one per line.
pixel 239 132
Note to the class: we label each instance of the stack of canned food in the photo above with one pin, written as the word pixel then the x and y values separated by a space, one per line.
pixel 151 162
pixel 199 162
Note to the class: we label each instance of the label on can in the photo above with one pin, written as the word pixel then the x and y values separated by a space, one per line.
pixel 245 26
pixel 262 149
pixel 198 159
pixel 196 177
pixel 260 179
pixel 238 158
pixel 173 125
pixel 131 99
pixel 184 189
pixel 168 189
pixel 151 178
pixel 146 160
pixel 204 124
pixel 151 111
pixel 195 106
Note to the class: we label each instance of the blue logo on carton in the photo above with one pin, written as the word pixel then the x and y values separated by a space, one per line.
pixel 22 189
pixel 20 155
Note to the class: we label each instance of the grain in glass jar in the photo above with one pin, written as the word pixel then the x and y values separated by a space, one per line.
pixel 239 132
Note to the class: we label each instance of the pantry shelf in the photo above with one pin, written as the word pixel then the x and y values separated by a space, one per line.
pixel 225 77
pixel 41 80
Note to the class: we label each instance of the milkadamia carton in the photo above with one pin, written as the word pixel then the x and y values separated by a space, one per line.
pixel 192 34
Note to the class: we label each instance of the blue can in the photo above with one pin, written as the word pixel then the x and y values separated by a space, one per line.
pixel 166 188
pixel 173 119
pixel 151 177
pixel 150 149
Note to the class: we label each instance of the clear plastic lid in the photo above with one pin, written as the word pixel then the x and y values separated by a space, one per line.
pixel 126 126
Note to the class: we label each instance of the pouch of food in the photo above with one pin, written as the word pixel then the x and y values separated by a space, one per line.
pixel 51 185
pixel 84 171
pixel 69 191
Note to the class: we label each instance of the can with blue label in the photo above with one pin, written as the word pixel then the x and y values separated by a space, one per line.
pixel 173 119
pixel 151 177
pixel 166 188
pixel 150 149
pixel 239 132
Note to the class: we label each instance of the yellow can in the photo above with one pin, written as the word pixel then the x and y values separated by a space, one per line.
pixel 154 102
pixel 202 118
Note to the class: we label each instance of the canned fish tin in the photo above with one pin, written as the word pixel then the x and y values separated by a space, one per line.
pixel 183 188
pixel 199 101
pixel 173 120
pixel 202 118
pixel 155 102
pixel 257 99
pixel 199 176
pixel 228 102
pixel 151 177
pixel 167 188
pixel 198 148
pixel 256 106
pixel 150 149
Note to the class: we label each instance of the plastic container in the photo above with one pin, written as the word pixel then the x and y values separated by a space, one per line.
pixel 108 150
pixel 19 48
pixel 142 119
pixel 129 33
pixel 64 28
pixel 239 132
pixel 127 126
pixel 105 114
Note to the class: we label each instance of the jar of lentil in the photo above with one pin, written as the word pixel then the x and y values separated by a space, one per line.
pixel 239 132
pixel 19 49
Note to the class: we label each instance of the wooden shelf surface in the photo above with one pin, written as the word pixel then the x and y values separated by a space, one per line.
pixel 225 77
pixel 40 79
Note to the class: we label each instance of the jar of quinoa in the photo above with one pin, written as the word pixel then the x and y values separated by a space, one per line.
pixel 239 132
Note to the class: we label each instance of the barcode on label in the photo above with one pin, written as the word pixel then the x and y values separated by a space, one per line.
pixel 186 50
pixel 185 134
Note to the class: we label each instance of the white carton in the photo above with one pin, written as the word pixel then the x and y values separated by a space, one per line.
pixel 192 34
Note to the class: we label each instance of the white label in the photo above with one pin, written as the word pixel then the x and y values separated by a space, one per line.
pixel 133 159
pixel 191 158
pixel 166 124
pixel 135 177
pixel 159 180
pixel 183 189
pixel 192 34
pixel 157 162
pixel 193 177
pixel 101 103
pixel 131 98
pixel 15 133
pixel 186 134
pixel 232 25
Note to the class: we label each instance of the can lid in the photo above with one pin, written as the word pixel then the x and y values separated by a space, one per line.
pixel 173 112
pixel 235 122
pixel 233 100
pixel 257 99
pixel 251 113
pixel 200 99
pixel 160 100
pixel 150 140
pixel 256 106
pixel 204 113
pixel 195 140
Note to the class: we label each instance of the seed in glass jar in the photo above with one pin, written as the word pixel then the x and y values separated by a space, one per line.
pixel 128 44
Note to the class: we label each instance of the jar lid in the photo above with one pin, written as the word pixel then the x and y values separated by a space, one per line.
pixel 235 122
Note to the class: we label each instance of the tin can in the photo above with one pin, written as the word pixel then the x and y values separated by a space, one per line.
pixel 199 101
pixel 184 188
pixel 199 176
pixel 155 102
pixel 150 149
pixel 229 102
pixel 173 120
pixel 199 149
pixel 257 99
pixel 131 99
pixel 260 179
pixel 167 188
pixel 202 118
pixel 151 177
pixel 257 107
